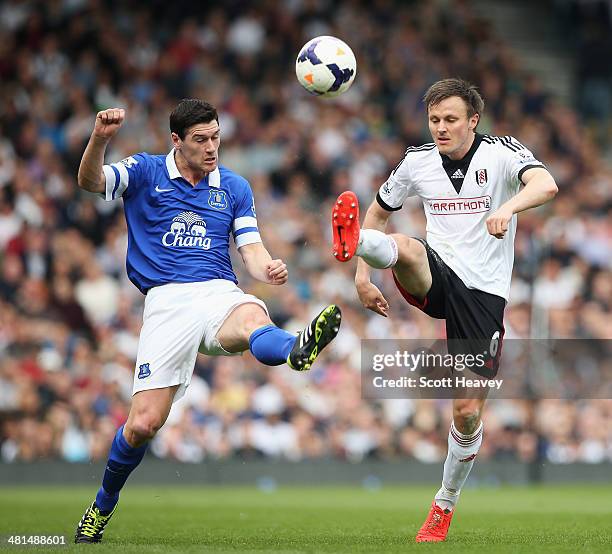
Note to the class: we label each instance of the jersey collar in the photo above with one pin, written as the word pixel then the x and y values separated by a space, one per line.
pixel 173 171
pixel 457 169
pixel 214 178
pixel 468 156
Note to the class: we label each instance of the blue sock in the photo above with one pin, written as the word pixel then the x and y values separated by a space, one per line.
pixel 122 460
pixel 271 345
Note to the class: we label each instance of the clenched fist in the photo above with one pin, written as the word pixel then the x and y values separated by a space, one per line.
pixel 277 272
pixel 497 223
pixel 108 122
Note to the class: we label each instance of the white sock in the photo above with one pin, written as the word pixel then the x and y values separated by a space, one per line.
pixel 377 249
pixel 462 450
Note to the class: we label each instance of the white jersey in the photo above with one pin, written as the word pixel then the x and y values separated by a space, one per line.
pixel 458 196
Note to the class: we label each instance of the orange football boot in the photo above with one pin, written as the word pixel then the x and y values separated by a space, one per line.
pixel 436 525
pixel 345 226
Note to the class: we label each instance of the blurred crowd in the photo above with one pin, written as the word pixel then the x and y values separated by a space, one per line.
pixel 70 319
pixel 587 28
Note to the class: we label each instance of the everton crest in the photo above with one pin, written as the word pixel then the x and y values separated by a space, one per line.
pixel 217 199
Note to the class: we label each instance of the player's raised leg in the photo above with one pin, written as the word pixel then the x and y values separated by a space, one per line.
pixel 249 327
pixel 149 411
pixel 407 256
pixel 464 440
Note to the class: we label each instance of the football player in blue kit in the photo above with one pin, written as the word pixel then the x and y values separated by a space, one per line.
pixel 181 209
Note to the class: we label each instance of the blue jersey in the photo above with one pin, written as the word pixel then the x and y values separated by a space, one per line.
pixel 178 233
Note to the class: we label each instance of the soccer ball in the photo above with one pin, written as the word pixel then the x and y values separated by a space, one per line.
pixel 326 66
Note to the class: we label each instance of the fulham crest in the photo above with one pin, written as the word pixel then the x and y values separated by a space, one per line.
pixel 481 177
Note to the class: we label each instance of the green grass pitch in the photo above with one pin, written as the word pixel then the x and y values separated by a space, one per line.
pixel 164 519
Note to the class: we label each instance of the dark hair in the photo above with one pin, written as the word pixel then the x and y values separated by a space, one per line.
pixel 191 111
pixel 441 90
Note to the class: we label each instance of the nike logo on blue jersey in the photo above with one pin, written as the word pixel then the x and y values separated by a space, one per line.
pixel 157 189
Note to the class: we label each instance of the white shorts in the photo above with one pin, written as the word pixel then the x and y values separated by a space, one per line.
pixel 180 320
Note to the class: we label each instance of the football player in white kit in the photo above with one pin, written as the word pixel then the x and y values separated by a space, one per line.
pixel 470 187
pixel 181 209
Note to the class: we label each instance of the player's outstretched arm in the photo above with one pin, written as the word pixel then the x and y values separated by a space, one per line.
pixel 261 266
pixel 376 218
pixel 107 124
pixel 540 187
